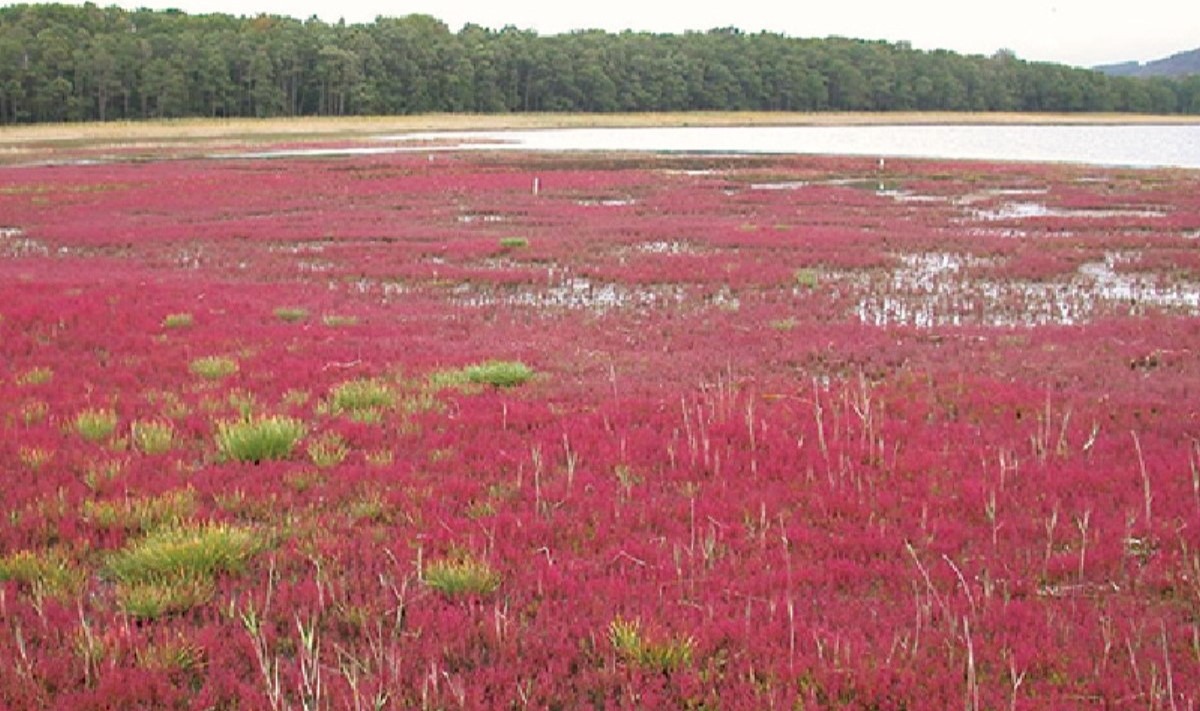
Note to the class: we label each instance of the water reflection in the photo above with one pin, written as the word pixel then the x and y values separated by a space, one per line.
pixel 1130 145
pixel 1116 145
pixel 1024 210
pixel 937 289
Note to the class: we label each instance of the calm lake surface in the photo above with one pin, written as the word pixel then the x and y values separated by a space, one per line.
pixel 1140 146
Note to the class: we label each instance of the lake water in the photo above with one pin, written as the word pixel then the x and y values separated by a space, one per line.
pixel 1129 145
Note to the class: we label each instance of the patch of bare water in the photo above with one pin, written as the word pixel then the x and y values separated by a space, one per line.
pixel 1026 210
pixel 190 258
pixel 992 193
pixel 609 202
pixel 899 195
pixel 696 172
pixel 300 247
pixel 314 266
pixel 498 264
pixel 935 289
pixel 481 217
pixel 1147 146
pixel 666 247
pixel 385 289
pixel 572 293
pixel 14 243
pixel 782 185
pixel 1005 232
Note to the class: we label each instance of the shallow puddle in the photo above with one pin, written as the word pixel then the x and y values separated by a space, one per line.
pixel 613 202
pixel 933 289
pixel 574 293
pixel 665 247
pixel 14 243
pixel 481 217
pixel 1026 210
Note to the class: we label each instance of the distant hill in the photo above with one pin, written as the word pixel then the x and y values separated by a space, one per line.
pixel 1177 65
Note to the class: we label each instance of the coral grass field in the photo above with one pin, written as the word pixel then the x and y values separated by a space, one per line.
pixel 668 432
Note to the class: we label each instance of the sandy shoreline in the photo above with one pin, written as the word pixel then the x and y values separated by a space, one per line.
pixel 350 128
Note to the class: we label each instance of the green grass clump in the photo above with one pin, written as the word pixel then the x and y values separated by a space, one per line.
pixel 499 373
pixel 337 321
pixel 46 573
pixel 362 400
pixel 143 515
pixel 174 569
pixel 153 600
pixel 34 411
pixel 35 376
pixel 182 320
pixel 259 439
pixel 632 645
pixel 369 507
pixel 449 379
pixel 100 472
pixel 168 403
pixel 34 458
pixel 177 655
pixel 173 552
pixel 380 458
pixel 95 425
pixel 455 577
pixel 513 242
pixel 150 601
pixel 328 450
pixel 295 398
pixel 152 436
pixel 242 402
pixel 291 314
pixel 213 367
pixel 807 278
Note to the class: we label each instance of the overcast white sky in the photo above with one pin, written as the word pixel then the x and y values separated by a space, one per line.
pixel 1079 32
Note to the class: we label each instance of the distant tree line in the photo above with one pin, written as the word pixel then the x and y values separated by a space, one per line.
pixel 69 63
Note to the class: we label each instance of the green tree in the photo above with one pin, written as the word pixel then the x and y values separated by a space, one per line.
pixel 62 62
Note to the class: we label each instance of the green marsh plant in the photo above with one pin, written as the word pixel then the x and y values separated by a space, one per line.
pixel 461 576
pixel 291 314
pixel 34 458
pixel 807 278
pixel 339 321
pixel 142 514
pixel 363 400
pixel 499 373
pixel 34 412
pixel 152 436
pixel 46 573
pixel 496 373
pixel 95 425
pixel 258 439
pixel 173 569
pixel 327 450
pixel 635 647
pixel 213 367
pixel 180 320
pixel 35 376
